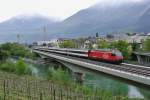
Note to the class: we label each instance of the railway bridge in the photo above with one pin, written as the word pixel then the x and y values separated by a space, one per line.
pixel 136 73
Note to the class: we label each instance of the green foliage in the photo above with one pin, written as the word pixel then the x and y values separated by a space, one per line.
pixel 8 66
pixel 146 94
pixel 124 47
pixel 120 90
pixel 21 67
pixel 103 44
pixel 87 90
pixel 61 76
pixel 18 68
pixel 135 46
pixel 121 45
pixel 14 49
pixel 146 45
pixel 67 44
pixel 4 54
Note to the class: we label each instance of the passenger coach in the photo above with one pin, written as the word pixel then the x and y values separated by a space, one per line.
pixel 113 56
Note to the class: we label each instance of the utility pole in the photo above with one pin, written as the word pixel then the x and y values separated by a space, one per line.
pixel 18 38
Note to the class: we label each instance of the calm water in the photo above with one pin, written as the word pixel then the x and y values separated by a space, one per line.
pixel 96 79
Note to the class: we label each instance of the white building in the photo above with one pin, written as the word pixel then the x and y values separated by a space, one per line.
pixel 51 43
pixel 136 39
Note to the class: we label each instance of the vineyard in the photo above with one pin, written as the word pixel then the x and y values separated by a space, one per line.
pixel 13 87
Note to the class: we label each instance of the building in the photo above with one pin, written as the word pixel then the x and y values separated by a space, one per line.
pixel 50 43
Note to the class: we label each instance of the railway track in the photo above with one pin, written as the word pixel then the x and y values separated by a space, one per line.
pixel 133 69
pixel 142 69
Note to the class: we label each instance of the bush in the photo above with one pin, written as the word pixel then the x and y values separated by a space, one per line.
pixel 60 76
pixel 21 67
pixel 102 44
pixel 18 68
pixel 67 44
pixel 8 66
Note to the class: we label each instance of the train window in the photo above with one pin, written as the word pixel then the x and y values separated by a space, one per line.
pixel 80 52
pixel 113 54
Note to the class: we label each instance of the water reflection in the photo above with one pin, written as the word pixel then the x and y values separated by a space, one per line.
pixel 134 92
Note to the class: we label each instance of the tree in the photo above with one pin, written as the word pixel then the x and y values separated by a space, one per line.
pixel 14 49
pixel 103 44
pixel 21 67
pixel 135 46
pixel 124 47
pixel 146 45
pixel 4 54
pixel 67 44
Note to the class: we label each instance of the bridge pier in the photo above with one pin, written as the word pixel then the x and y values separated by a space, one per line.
pixel 77 73
pixel 78 77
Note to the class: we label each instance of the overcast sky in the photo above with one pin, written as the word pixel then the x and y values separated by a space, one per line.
pixel 60 9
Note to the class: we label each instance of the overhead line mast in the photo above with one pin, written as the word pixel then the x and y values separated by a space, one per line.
pixel 45 35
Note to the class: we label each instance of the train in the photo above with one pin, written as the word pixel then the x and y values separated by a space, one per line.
pixel 105 55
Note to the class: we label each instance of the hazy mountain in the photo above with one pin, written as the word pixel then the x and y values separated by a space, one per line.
pixel 109 18
pixel 25 24
pixel 30 28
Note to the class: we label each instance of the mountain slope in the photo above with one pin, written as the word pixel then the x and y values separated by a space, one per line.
pixel 120 18
pixel 25 24
pixel 30 28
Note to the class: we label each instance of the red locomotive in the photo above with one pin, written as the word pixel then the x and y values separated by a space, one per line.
pixel 113 56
